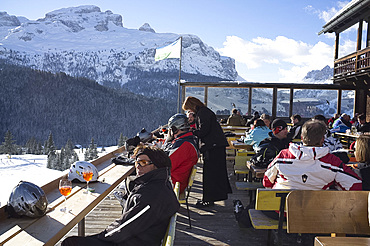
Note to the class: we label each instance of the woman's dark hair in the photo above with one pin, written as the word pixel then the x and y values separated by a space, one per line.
pixel 258 123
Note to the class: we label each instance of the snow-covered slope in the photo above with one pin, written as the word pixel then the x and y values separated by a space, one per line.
pixel 84 41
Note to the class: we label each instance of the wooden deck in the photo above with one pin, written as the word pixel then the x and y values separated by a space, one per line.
pixel 213 226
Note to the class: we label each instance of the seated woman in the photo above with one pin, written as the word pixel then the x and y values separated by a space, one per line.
pixel 259 132
pixel 362 154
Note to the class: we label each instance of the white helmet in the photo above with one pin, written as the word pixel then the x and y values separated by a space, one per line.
pixel 75 172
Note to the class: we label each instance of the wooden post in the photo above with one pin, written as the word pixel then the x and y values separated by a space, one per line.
pixel 274 102
pixel 359 34
pixel 336 53
pixel 368 34
pixel 291 102
pixel 81 228
pixel 250 101
pixel 339 103
pixel 183 93
pixel 206 95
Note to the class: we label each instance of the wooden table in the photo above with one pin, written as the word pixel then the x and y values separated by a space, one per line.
pixel 238 145
pixel 255 172
pixel 50 228
pixel 348 138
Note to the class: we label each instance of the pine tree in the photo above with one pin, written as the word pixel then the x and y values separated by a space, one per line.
pixel 93 150
pixel 121 140
pixel 52 160
pixel 49 146
pixel 8 146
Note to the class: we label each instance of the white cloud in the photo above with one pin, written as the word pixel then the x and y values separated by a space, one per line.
pixel 293 59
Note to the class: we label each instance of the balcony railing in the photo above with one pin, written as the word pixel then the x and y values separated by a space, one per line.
pixel 352 64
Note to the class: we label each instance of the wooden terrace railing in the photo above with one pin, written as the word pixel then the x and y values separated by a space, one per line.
pixel 354 63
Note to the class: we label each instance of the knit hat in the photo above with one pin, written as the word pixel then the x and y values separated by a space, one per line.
pixel 278 125
pixel 159 158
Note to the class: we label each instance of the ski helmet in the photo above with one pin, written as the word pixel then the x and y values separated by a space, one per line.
pixel 27 199
pixel 178 122
pixel 75 172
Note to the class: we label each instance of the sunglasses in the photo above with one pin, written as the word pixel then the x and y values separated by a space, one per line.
pixel 143 163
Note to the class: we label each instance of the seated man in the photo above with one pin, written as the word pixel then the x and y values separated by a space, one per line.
pixel 342 124
pixel 363 126
pixel 149 206
pixel 235 119
pixel 295 130
pixel 182 150
pixel 270 147
pixel 310 166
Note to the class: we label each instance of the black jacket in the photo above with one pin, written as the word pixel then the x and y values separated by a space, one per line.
pixel 269 148
pixel 209 130
pixel 149 206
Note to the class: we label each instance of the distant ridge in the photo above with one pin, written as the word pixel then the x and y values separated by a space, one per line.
pixel 34 103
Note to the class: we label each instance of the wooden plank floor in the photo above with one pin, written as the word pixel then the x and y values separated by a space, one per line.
pixel 212 226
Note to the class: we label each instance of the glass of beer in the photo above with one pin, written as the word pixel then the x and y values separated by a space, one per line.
pixel 87 174
pixel 65 188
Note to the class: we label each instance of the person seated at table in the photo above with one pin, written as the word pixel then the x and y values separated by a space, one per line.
pixel 150 203
pixel 259 132
pixel 267 119
pixel 331 142
pixel 363 126
pixel 332 119
pixel 295 130
pixel 191 119
pixel 271 146
pixel 235 119
pixel 250 122
pixel 182 149
pixel 342 124
pixel 310 166
pixel 362 155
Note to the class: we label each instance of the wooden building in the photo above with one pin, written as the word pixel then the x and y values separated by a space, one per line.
pixel 353 69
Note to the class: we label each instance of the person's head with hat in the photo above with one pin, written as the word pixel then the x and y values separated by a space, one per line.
pixel 279 128
pixel 149 158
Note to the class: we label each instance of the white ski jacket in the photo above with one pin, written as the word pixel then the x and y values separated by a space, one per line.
pixel 309 168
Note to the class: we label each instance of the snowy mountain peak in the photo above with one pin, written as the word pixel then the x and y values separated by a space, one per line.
pixel 86 42
pixel 324 74
pixel 8 20
pixel 83 17
pixel 146 28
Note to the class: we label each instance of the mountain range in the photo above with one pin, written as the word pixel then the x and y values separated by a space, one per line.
pixel 91 48
pixel 86 42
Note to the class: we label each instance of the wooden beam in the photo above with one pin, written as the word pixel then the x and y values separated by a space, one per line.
pixel 368 35
pixel 205 95
pixel 359 34
pixel 336 51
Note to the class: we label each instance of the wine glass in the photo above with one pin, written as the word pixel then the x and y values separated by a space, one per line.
pixel 87 175
pixel 65 188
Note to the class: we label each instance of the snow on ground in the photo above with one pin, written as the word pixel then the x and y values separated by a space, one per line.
pixel 30 168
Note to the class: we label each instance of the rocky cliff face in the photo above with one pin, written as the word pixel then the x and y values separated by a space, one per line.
pixel 86 42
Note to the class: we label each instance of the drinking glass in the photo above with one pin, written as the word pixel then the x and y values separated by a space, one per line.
pixel 65 188
pixel 87 174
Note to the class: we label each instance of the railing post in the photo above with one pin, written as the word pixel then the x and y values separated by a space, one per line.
pixel 274 102
pixel 291 95
pixel 206 95
pixel 339 103
pixel 81 228
pixel 250 101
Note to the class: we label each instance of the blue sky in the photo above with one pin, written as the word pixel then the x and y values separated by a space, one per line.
pixel 270 40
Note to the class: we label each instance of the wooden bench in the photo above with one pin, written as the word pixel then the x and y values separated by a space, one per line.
pixel 329 212
pixel 269 200
pixel 169 237
pixel 50 228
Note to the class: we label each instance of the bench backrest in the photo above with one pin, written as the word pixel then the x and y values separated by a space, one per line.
pixel 342 212
pixel 269 199
pixel 169 237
